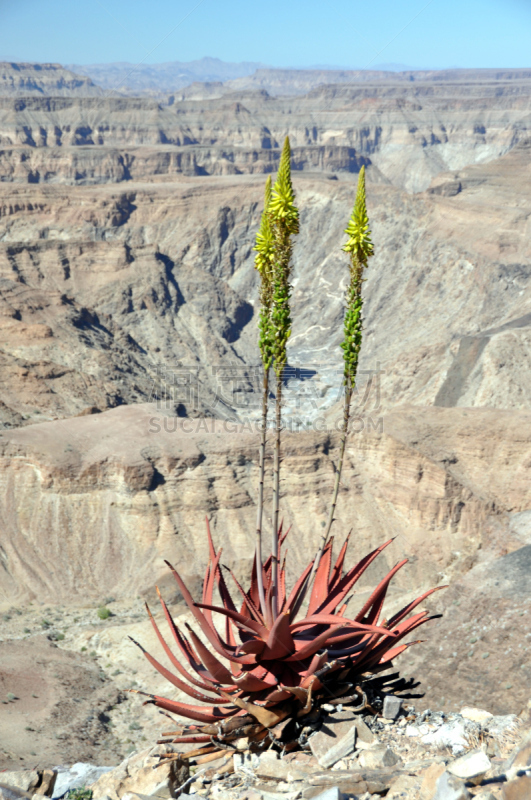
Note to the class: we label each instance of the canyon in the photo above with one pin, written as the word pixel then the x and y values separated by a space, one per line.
pixel 129 383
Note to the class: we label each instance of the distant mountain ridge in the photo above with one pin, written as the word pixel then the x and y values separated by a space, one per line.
pixel 166 77
pixel 44 80
pixel 301 81
pixel 211 77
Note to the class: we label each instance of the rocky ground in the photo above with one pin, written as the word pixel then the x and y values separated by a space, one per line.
pixel 439 470
pixel 398 754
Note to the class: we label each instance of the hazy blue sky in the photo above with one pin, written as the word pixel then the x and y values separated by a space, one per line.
pixel 351 33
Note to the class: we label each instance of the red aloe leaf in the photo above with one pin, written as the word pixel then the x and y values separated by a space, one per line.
pixel 320 584
pixel 226 596
pixel 246 623
pixel 185 648
pixel 365 647
pixel 374 612
pixel 209 631
pixel 377 597
pixel 176 663
pixel 309 648
pixel 280 641
pixel 333 619
pixel 255 646
pixel 338 568
pixel 250 683
pixel 317 662
pixel 234 668
pixel 347 582
pixel 407 609
pixel 218 670
pixel 211 547
pixel 404 626
pixel 177 682
pixel 394 652
pixel 253 594
pixel 205 583
pixel 282 536
pixel 248 602
pixel 282 592
pixel 199 713
pixel 209 592
pixel 402 630
pixel 298 592
pixel 349 636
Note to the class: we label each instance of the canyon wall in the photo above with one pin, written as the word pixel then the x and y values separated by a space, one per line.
pixel 100 501
pixel 114 295
pixel 407 133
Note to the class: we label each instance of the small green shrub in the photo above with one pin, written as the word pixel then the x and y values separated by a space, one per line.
pixel 10 696
pixel 82 793
pixel 104 613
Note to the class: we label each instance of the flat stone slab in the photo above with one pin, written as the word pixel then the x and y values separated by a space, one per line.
pixel 337 737
pixel 471 765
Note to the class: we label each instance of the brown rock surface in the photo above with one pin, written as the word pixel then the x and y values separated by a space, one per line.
pixel 136 483
pixel 60 710
pixel 143 774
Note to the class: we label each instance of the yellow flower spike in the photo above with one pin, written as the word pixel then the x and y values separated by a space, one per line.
pixel 359 241
pixel 282 205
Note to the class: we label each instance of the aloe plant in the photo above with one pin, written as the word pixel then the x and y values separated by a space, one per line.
pixel 280 669
pixel 279 658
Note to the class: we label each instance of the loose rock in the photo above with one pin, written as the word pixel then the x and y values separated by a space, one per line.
pixel 391 706
pixel 26 780
pixel 142 773
pixel 476 714
pixel 473 764
pixel 80 774
pixel 12 793
pixel 378 757
pixel 450 788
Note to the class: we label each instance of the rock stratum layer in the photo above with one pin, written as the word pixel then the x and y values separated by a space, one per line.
pixel 100 500
pixel 111 295
pixel 407 133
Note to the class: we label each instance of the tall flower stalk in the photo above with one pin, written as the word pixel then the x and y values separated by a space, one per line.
pixel 264 264
pixel 284 223
pixel 360 248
